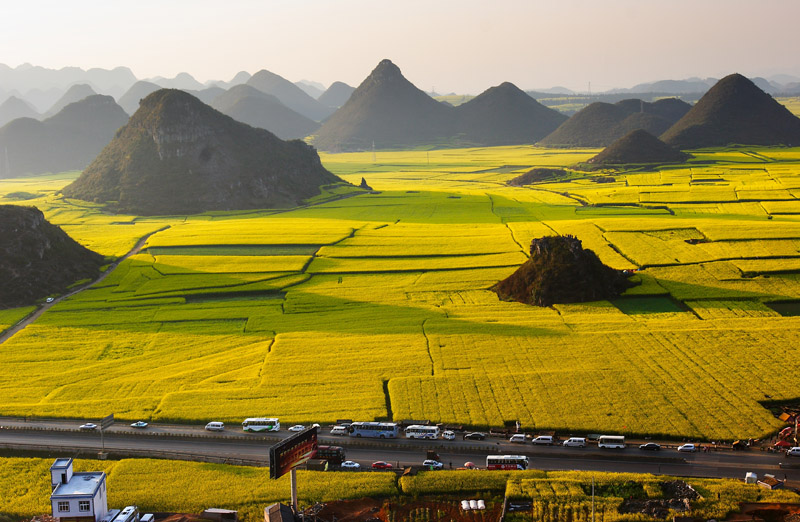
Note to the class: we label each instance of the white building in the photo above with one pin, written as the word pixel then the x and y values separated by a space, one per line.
pixel 77 497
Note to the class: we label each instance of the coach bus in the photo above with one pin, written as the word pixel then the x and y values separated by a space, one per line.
pixel 333 454
pixel 381 430
pixel 261 424
pixel 422 432
pixel 611 442
pixel 506 462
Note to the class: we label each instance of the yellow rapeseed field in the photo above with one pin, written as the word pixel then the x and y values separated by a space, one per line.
pixel 379 305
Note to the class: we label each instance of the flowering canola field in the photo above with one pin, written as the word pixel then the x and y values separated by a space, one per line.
pixel 378 306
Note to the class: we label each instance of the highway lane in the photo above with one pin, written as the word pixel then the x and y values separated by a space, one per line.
pixel 237 445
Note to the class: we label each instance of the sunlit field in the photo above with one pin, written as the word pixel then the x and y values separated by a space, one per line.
pixel 191 487
pixel 378 306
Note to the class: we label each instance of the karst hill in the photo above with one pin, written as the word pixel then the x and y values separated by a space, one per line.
pixel 336 95
pixel 290 95
pixel 389 111
pixel 37 258
pixel 177 155
pixel 249 105
pixel 67 141
pixel 560 270
pixel 600 124
pixel 734 111
pixel 638 147
pixel 505 115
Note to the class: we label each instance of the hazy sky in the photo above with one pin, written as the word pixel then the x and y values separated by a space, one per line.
pixel 463 46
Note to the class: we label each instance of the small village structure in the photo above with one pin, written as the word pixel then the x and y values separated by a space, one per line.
pixel 77 496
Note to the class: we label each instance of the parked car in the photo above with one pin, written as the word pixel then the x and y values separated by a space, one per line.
pixel 793 452
pixel 339 430
pixel 650 446
pixel 690 448
pixel 350 465
pixel 448 435
pixel 575 442
pixel 519 438
pixel 381 464
pixel 139 424
pixel 476 435
pixel 215 426
pixel 89 426
pixel 546 440
pixel 432 464
pixel 297 427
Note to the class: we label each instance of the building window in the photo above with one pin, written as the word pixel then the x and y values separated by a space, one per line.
pixel 84 505
pixel 63 507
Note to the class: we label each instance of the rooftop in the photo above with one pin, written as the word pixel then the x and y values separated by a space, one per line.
pixel 85 483
pixel 61 463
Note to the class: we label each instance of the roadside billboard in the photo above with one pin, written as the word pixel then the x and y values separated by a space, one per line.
pixel 292 452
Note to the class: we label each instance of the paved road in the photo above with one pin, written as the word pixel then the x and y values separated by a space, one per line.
pixel 33 316
pixel 233 444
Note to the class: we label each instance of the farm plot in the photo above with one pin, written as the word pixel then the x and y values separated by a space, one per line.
pixel 380 305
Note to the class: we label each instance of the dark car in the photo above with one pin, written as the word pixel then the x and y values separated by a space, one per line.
pixel 652 446
pixel 475 436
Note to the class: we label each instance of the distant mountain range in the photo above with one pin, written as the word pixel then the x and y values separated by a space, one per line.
pixel 69 140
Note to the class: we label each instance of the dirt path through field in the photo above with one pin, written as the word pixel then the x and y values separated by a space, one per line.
pixel 30 318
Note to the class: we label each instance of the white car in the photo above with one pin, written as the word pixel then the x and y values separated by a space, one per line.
pixel 349 464
pixel 793 452
pixel 297 427
pixel 339 430
pixel 575 442
pixel 518 438
pixel 49 300
pixel 88 426
pixel 139 424
pixel 690 448
pixel 433 464
pixel 448 435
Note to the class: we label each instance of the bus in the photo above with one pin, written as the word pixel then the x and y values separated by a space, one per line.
pixel 333 454
pixel 506 462
pixel 422 432
pixel 383 430
pixel 261 424
pixel 611 442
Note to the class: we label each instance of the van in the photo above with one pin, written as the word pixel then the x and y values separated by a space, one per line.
pixel 215 426
pixel 543 439
pixel 575 442
pixel 517 437
pixel 339 430
pixel 448 435
pixel 793 452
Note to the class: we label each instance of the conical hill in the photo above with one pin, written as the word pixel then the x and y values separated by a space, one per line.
pixel 734 110
pixel 177 155
pixel 505 115
pixel 253 107
pixel 636 147
pixel 389 111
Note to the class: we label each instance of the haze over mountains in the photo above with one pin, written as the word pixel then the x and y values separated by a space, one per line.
pixel 178 155
pixel 69 140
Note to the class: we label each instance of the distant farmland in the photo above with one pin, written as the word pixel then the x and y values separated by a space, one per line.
pixel 377 306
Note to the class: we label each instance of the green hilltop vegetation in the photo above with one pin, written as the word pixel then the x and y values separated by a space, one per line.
pixel 379 305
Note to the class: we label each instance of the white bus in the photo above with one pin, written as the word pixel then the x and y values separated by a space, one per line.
pixel 611 442
pixel 261 424
pixel 507 462
pixel 381 430
pixel 422 432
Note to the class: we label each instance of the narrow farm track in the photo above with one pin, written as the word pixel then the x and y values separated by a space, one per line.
pixel 33 316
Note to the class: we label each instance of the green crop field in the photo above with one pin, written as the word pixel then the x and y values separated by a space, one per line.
pixel 378 306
